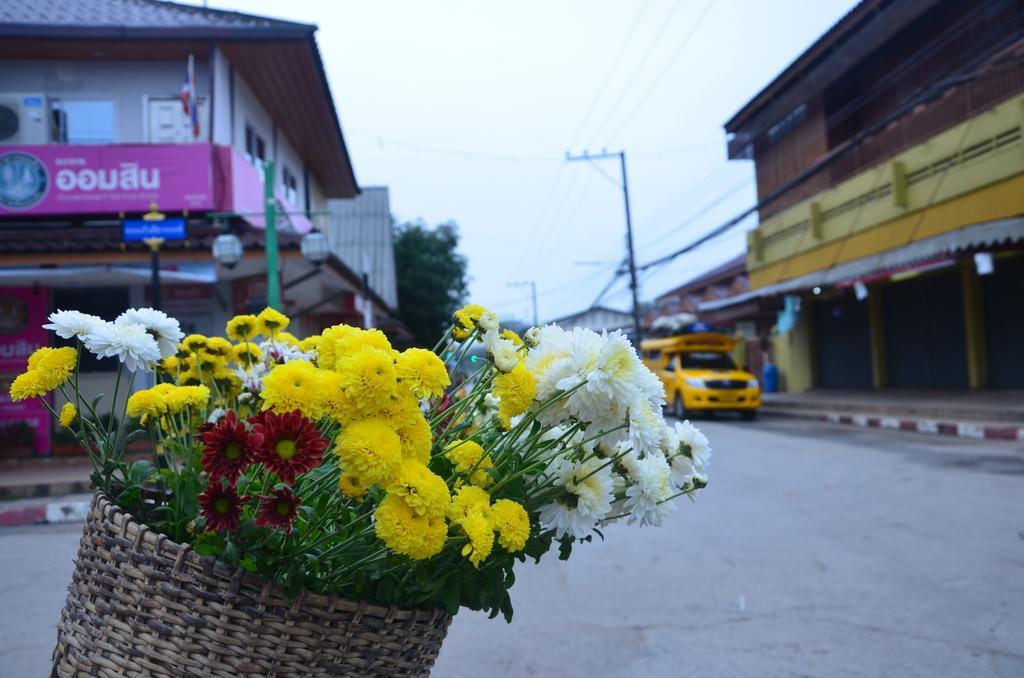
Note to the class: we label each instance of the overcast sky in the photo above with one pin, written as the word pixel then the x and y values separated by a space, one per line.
pixel 465 109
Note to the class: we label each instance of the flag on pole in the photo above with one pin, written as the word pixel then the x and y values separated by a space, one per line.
pixel 189 105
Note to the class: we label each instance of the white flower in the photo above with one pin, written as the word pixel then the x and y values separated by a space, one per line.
pixel 503 351
pixel 160 326
pixel 693 445
pixel 216 415
pixel 589 492
pixel 281 352
pixel 69 324
pixel 532 337
pixel 648 494
pixel 252 378
pixel 647 427
pixel 131 344
pixel 488 321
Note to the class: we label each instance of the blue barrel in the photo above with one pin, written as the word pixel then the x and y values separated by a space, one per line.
pixel 770 378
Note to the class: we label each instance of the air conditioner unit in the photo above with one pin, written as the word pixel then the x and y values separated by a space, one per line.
pixel 24 119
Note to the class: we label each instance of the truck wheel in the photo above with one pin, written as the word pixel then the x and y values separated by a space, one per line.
pixel 678 409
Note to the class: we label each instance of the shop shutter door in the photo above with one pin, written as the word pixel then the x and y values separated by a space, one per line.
pixel 1002 295
pixel 843 347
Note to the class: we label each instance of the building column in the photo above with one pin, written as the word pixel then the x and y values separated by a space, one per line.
pixel 974 327
pixel 876 333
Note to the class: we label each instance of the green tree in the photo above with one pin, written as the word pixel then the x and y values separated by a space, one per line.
pixel 431 276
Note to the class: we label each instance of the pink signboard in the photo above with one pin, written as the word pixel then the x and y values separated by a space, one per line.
pixel 24 425
pixel 37 180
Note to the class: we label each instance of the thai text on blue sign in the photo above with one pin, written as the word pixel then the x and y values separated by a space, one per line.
pixel 140 229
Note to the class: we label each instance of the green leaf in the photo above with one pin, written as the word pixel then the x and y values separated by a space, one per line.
pixel 209 544
pixel 450 598
pixel 565 547
pixel 506 607
pixel 140 472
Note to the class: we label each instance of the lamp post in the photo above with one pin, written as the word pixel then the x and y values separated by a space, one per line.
pixel 154 254
pixel 270 224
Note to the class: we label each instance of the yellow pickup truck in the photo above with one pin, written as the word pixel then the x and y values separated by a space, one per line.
pixel 700 376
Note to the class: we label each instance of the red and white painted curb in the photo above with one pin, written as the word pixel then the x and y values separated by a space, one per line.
pixel 962 429
pixel 56 510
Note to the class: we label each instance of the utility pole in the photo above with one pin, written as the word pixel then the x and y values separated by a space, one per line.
pixel 154 245
pixel 367 302
pixel 629 227
pixel 270 224
pixel 533 293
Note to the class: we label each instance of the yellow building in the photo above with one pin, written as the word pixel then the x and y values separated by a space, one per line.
pixel 890 171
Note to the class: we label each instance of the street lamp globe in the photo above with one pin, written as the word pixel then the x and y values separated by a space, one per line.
pixel 315 248
pixel 227 249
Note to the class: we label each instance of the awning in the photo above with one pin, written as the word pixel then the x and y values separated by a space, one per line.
pixel 914 255
pixel 113 274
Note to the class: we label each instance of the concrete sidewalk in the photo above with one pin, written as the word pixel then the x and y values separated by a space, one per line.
pixel 985 415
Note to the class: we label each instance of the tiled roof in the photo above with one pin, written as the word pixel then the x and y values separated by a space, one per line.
pixel 135 14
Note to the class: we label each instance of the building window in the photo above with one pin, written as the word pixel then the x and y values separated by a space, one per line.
pixel 787 124
pixel 255 146
pixel 291 186
pixel 82 121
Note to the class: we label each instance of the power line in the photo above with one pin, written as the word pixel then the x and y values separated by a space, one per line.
pixel 665 70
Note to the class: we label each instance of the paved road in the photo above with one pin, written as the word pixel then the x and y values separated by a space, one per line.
pixel 818 550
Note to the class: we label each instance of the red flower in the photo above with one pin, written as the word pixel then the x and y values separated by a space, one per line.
pixel 291 444
pixel 230 448
pixel 278 510
pixel 222 507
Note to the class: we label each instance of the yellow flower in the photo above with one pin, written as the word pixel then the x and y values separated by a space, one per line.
pixel 271 321
pixel 293 386
pixel 512 336
pixel 309 343
pixel 242 327
pixel 515 390
pixel 423 372
pixel 351 487
pixel 335 402
pixel 194 342
pixel 512 524
pixel 146 403
pixel 206 363
pixel 481 537
pixel 68 414
pixel 356 339
pixel 247 353
pixel 370 450
pixel 416 438
pixel 423 491
pixel 401 409
pixel 467 456
pixel 181 397
pixel 469 499
pixel 27 385
pixel 220 347
pixel 325 356
pixel 405 532
pixel 460 333
pixel 469 315
pixel 53 365
pixel 368 377
pixel 171 364
pixel 288 338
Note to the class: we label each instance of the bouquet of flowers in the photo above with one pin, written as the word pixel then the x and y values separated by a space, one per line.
pixel 337 464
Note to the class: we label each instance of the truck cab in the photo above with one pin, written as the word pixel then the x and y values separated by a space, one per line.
pixel 700 376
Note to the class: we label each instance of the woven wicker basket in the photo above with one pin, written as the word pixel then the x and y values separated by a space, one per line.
pixel 141 604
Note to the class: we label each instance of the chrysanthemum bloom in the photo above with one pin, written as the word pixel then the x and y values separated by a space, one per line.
pixel 468 458
pixel 220 347
pixel 480 531
pixel 335 403
pixel 515 390
pixel 67 324
pixel 469 499
pixel 131 344
pixel 423 490
pixel 163 328
pixel 469 315
pixel 368 377
pixel 309 343
pixel 68 414
pixel 229 447
pixel 181 397
pixel 350 486
pixel 278 510
pixel 221 506
pixel 54 365
pixel 513 337
pixel 502 352
pixel 369 449
pixel 287 338
pixel 271 321
pixel 416 439
pixel 325 347
pixel 401 408
pixel 146 402
pixel 647 497
pixel 423 372
pixel 242 327
pixel 589 492
pixel 247 353
pixel 172 364
pixel 194 342
pixel 27 385
pixel 292 444
pixel 488 321
pixel 406 532
pixel 293 386
pixel 512 524
pixel 350 342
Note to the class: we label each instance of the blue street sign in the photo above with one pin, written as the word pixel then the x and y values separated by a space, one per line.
pixel 168 229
